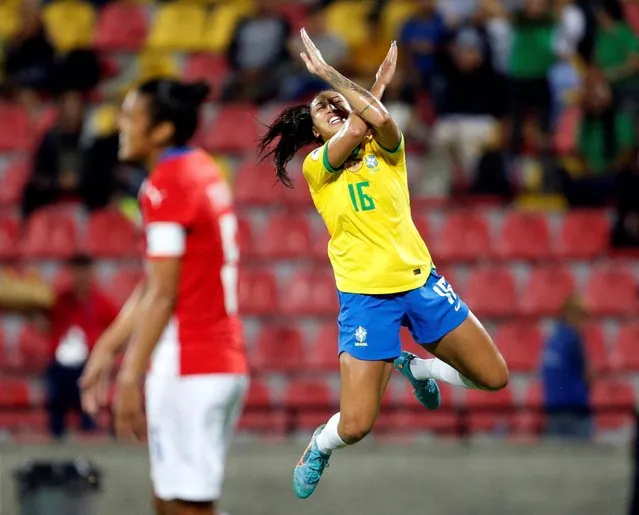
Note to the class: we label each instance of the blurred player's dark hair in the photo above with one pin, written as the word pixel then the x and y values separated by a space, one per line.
pixel 293 129
pixel 177 103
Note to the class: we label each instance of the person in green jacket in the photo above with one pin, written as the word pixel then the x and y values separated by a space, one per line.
pixel 617 53
pixel 531 56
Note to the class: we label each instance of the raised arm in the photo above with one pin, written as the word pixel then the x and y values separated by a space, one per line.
pixel 363 102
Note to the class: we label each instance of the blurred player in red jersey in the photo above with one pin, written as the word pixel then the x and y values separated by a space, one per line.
pixel 183 318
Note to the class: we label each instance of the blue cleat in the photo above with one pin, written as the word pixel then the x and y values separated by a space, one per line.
pixel 309 469
pixel 426 391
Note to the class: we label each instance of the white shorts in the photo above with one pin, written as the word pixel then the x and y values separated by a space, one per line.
pixel 190 422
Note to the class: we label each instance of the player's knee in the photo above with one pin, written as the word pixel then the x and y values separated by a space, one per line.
pixel 354 429
pixel 498 378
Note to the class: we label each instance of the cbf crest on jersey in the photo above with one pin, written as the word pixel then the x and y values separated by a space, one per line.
pixel 360 337
pixel 371 161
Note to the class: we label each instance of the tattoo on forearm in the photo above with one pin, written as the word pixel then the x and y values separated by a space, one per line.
pixel 338 81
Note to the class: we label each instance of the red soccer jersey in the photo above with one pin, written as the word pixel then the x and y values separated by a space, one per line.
pixel 188 212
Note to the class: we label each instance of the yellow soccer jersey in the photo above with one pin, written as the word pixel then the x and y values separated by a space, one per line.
pixel 375 247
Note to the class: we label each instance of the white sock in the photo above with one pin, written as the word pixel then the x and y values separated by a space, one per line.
pixel 328 440
pixel 437 369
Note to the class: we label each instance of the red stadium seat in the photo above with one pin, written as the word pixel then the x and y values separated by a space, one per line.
pixel 295 14
pixel 530 420
pixel 121 26
pixel 423 226
pixel 34 350
pixel 524 236
pixel 547 289
pixel 234 131
pixel 258 395
pixel 584 235
pixel 15 128
pixel 565 140
pixel 491 292
pixel 15 176
pixel 286 237
pixel 211 68
pixel 279 349
pixel 480 400
pixel 9 236
pixel 298 196
pixel 257 415
pixel 404 422
pixel 245 239
pixel 323 352
pixel 21 422
pixel 624 356
pixel 112 235
pixel 308 394
pixel 595 346
pixel 122 284
pixel 255 183
pixel 520 343
pixel 613 401
pixel 490 412
pixel 611 291
pixel 465 237
pixel 14 393
pixel 312 400
pixel 257 293
pixel 51 233
pixel 310 293
pixel 319 245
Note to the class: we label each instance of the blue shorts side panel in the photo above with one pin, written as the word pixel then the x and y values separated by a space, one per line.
pixel 369 325
pixel 434 310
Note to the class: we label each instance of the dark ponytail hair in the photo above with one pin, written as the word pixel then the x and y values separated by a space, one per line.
pixel 176 102
pixel 294 128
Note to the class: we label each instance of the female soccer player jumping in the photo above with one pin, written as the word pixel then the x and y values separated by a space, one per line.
pixel 384 273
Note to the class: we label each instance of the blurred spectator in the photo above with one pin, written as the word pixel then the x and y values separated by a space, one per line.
pixel 300 84
pixel 74 316
pixel 605 148
pixel 625 233
pixel 30 57
pixel 420 40
pixel 565 376
pixel 57 164
pixel 367 56
pixel 457 12
pixel 571 29
pixel 532 55
pixel 258 55
pixel 617 53
pixel 80 313
pixel 471 102
pixel 494 18
pixel 78 70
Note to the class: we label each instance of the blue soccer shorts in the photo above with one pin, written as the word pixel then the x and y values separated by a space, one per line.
pixel 369 325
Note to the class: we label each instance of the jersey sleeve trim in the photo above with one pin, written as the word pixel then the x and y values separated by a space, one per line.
pixel 326 163
pixel 165 239
pixel 401 142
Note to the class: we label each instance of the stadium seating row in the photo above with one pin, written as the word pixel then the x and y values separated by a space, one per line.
pixel 187 25
pixel 284 349
pixel 463 236
pixel 490 291
pixel 307 403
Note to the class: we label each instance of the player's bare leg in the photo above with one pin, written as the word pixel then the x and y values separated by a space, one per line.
pixel 195 508
pixel 467 357
pixel 362 386
pixel 163 507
